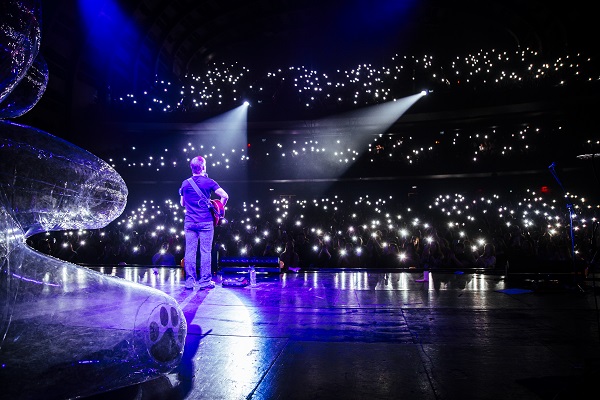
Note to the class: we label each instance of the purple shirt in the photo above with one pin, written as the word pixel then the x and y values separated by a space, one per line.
pixel 196 207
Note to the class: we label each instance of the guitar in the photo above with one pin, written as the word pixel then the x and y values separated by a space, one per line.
pixel 218 211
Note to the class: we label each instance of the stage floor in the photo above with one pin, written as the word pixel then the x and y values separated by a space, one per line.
pixel 379 335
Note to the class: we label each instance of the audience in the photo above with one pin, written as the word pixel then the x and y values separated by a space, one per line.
pixel 289 260
pixel 220 87
pixel 163 257
pixel 468 229
pixel 497 244
pixel 432 257
pixel 488 258
pixel 461 256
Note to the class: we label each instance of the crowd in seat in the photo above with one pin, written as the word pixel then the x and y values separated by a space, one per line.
pixel 493 76
pixel 368 234
pixel 489 230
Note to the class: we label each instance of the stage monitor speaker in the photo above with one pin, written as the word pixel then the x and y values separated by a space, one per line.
pixel 241 264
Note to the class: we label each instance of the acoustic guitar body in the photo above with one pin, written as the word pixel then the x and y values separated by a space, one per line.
pixel 218 211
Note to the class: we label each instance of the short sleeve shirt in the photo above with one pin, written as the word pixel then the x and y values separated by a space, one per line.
pixel 196 207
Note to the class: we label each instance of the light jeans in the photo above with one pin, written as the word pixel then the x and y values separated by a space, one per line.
pixel 199 235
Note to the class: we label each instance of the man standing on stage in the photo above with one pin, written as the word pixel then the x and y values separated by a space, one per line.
pixel 198 223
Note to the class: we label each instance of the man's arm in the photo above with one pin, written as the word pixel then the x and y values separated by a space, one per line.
pixel 223 194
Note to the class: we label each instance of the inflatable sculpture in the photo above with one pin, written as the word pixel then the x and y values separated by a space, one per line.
pixel 66 331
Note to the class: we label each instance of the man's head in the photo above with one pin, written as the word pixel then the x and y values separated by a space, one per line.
pixel 198 165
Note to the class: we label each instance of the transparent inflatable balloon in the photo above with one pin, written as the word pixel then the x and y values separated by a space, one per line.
pixel 66 331
pixel 28 92
pixel 20 36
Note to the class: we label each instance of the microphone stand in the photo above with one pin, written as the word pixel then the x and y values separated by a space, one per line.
pixel 570 209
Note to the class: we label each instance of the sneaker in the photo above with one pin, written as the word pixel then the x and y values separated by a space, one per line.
pixel 209 285
pixel 189 283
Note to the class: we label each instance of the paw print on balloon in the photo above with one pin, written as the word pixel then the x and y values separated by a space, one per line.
pixel 166 333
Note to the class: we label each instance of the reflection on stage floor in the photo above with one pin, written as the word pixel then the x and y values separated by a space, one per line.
pixel 377 335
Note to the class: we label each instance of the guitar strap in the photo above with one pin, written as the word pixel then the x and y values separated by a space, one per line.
pixel 217 212
pixel 202 196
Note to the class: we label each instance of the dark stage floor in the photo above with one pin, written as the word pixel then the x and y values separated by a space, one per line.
pixel 377 335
